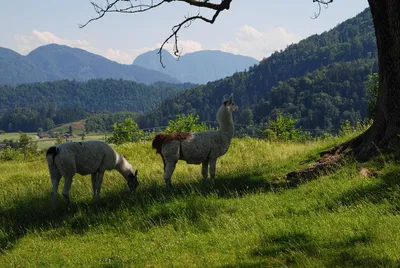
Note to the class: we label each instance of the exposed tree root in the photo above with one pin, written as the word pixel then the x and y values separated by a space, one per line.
pixel 327 164
pixel 330 161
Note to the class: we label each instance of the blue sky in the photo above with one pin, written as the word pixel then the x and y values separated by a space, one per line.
pixel 256 29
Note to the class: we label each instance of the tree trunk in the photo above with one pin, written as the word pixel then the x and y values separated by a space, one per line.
pixel 383 135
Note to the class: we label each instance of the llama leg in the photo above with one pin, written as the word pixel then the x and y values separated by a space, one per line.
pixel 55 181
pixel 100 176
pixel 169 170
pixel 94 182
pixel 213 167
pixel 204 171
pixel 67 187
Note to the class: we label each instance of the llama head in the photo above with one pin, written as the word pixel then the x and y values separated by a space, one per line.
pixel 126 170
pixel 225 111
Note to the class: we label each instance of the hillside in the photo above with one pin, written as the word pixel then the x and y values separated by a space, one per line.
pixel 57 62
pixel 30 106
pixel 320 81
pixel 196 67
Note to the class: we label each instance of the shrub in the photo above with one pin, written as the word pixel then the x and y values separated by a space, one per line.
pixel 127 131
pixel 283 129
pixel 186 123
pixel 9 154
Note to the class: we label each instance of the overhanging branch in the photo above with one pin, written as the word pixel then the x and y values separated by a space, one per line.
pixel 321 3
pixel 132 6
pixel 176 29
pixel 136 6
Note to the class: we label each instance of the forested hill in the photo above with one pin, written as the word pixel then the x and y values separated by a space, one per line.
pixel 30 106
pixel 319 81
pixel 56 62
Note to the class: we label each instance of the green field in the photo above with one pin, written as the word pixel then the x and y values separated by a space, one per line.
pixel 77 127
pixel 46 143
pixel 15 136
pixel 247 220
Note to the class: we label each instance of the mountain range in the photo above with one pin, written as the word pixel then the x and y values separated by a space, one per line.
pixel 197 67
pixel 58 62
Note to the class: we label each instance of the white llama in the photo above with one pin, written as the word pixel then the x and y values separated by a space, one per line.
pixel 198 147
pixel 90 157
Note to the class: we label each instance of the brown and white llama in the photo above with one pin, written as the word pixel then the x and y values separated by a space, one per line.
pixel 197 147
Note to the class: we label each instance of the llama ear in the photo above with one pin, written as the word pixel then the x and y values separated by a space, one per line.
pixel 136 172
pixel 230 101
pixel 225 98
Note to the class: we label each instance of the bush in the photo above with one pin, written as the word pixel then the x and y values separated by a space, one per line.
pixel 186 123
pixel 283 129
pixel 127 131
pixel 9 154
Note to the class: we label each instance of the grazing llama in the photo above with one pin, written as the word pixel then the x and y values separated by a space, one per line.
pixel 198 147
pixel 90 157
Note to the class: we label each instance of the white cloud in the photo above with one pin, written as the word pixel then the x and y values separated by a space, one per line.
pixel 184 46
pixel 127 56
pixel 119 56
pixel 26 44
pixel 252 42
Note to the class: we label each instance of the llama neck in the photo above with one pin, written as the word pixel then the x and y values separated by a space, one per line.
pixel 227 128
pixel 119 165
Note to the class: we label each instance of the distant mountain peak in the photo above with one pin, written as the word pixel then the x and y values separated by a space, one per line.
pixel 197 67
pixel 56 62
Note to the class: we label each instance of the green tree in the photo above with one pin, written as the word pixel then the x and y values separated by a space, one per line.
pixel 39 132
pixel 27 142
pixel 186 123
pixel 283 129
pixel 127 131
pixel 59 140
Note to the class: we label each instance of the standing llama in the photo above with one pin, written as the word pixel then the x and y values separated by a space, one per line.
pixel 198 147
pixel 90 157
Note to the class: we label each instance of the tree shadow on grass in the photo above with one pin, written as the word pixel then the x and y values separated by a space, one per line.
pixel 296 248
pixel 35 213
pixel 385 189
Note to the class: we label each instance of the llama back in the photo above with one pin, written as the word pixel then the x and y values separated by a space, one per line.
pixel 86 156
pixel 160 139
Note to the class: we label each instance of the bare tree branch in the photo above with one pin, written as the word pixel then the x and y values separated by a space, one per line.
pixel 112 7
pixel 176 29
pixel 321 2
pixel 129 7
pixel 136 6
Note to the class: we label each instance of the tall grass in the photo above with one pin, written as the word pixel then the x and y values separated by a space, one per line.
pixel 246 220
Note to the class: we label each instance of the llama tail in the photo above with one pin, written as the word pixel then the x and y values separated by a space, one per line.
pixel 51 152
pixel 158 142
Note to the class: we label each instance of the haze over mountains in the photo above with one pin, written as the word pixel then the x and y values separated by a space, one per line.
pixel 197 67
pixel 57 62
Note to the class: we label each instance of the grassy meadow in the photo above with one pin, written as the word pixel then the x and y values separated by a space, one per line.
pixel 247 219
pixel 46 143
